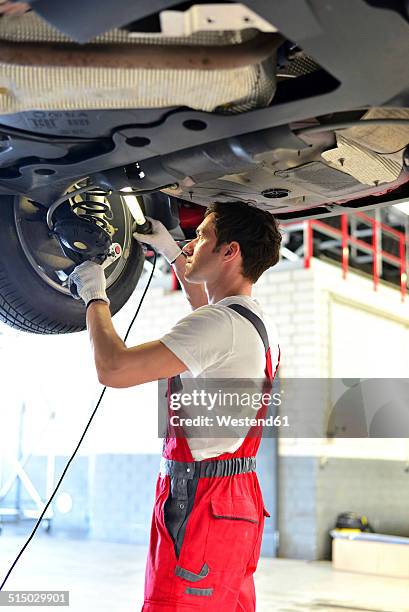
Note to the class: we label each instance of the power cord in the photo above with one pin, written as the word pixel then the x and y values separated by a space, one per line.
pixel 83 435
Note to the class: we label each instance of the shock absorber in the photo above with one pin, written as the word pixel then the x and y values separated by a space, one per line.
pixel 93 206
pixel 83 226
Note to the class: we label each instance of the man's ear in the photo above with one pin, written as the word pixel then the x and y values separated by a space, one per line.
pixel 232 250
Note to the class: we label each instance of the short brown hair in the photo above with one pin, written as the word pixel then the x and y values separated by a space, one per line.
pixel 254 229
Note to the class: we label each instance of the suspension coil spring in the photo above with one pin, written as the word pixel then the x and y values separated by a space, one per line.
pixel 94 211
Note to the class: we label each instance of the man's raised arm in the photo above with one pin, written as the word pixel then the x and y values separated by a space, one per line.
pixel 119 366
pixel 116 364
pixel 162 241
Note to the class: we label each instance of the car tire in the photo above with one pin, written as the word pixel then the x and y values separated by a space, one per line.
pixel 30 304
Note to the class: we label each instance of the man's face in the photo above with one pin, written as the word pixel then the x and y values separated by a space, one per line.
pixel 202 263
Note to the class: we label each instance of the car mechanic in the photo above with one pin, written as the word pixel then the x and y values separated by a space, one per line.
pixel 209 513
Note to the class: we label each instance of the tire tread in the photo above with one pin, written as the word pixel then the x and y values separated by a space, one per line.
pixel 11 313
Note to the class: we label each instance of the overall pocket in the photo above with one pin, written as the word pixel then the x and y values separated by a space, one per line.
pixel 254 558
pixel 232 535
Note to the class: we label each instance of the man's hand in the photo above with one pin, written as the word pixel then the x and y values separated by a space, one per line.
pixel 161 240
pixel 13 8
pixel 89 281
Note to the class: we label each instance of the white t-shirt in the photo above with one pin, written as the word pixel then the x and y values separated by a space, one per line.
pixel 214 341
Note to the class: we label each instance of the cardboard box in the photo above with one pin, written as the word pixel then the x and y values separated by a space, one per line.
pixel 370 553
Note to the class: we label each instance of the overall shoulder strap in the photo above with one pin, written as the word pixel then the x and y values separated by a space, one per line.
pixel 255 320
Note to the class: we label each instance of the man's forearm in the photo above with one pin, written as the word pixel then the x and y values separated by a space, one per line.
pixel 107 346
pixel 195 293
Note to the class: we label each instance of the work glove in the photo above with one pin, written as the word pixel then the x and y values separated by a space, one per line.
pixel 161 240
pixel 89 283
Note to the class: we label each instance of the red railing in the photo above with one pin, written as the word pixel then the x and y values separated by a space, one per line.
pixel 346 240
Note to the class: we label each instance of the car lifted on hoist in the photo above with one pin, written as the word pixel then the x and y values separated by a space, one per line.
pixel 298 107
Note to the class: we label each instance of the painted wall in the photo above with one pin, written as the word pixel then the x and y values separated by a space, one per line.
pixel 333 328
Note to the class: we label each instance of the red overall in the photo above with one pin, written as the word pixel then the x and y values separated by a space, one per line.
pixel 221 543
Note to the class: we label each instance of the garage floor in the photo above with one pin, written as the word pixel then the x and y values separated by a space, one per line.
pixel 107 577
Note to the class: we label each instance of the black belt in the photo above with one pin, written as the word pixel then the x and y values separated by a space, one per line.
pixel 207 469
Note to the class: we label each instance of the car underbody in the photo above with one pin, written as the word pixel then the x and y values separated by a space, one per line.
pixel 232 125
pixel 298 107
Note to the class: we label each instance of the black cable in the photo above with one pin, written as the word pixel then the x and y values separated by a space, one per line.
pixel 155 255
pixel 137 192
pixel 83 435
pixel 342 125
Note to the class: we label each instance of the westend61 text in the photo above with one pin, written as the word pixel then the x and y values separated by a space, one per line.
pixel 228 421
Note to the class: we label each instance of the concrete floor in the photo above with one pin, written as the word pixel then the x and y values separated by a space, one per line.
pixel 108 577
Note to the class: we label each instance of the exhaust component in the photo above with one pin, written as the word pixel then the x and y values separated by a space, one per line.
pixel 153 57
pixel 223 71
